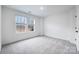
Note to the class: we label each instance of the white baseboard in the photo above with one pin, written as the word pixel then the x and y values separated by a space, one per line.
pixel 62 39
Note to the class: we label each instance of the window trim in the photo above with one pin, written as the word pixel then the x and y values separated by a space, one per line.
pixel 26 17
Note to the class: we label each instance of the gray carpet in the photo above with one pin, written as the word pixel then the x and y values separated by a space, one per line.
pixel 40 45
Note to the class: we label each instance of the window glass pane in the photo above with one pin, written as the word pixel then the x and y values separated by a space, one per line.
pixel 30 24
pixel 24 24
pixel 25 19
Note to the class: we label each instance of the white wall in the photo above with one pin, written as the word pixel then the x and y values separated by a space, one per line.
pixel 9 28
pixel 0 27
pixel 42 26
pixel 60 26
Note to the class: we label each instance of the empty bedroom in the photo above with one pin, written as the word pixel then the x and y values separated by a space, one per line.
pixel 39 29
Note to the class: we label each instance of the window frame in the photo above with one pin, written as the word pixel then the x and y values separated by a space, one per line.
pixel 27 24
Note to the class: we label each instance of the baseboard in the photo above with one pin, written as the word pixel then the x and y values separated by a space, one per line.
pixel 34 37
pixel 60 39
pixel 77 50
pixel 19 40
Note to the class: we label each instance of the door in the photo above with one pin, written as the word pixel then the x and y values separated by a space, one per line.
pixel 77 27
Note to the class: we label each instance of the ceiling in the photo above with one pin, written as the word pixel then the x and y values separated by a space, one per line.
pixel 47 9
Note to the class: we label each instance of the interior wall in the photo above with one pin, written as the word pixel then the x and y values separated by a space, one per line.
pixel 61 26
pixel 0 27
pixel 9 27
pixel 42 26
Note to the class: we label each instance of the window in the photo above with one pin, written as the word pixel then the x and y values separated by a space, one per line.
pixel 24 24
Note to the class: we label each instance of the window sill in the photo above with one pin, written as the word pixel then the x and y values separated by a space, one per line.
pixel 24 32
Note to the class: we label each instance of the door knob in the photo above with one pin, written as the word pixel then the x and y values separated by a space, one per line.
pixel 76 31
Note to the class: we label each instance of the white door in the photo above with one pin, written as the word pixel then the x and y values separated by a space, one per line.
pixel 77 27
pixel 0 27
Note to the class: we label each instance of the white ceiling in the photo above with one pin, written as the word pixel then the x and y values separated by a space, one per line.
pixel 35 9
